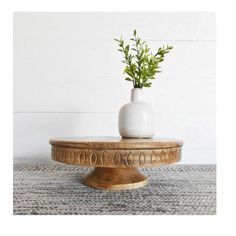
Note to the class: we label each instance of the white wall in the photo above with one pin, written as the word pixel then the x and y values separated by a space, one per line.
pixel 68 78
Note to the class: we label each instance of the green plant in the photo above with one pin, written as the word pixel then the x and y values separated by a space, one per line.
pixel 141 65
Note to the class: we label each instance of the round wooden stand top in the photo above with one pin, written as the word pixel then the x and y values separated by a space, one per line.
pixel 112 152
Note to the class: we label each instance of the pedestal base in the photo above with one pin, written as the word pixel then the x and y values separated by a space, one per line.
pixel 115 178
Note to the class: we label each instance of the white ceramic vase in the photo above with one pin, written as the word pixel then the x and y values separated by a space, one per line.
pixel 136 119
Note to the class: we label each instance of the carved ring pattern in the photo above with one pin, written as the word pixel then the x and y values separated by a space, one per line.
pixel 104 154
pixel 116 158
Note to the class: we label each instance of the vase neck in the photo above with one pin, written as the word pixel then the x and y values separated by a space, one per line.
pixel 136 94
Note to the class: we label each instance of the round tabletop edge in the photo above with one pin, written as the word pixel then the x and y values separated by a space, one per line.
pixel 115 142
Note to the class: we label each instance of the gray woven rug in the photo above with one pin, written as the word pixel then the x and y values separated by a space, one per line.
pixel 54 189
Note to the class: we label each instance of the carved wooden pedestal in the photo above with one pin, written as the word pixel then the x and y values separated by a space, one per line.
pixel 115 160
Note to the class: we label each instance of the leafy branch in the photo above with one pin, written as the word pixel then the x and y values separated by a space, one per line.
pixel 141 66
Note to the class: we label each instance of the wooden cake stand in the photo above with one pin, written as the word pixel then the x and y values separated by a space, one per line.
pixel 115 159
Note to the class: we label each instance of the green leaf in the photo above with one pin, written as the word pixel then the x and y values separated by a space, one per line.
pixel 127 71
pixel 128 79
pixel 147 85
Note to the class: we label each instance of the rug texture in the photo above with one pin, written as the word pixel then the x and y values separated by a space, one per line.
pixel 55 189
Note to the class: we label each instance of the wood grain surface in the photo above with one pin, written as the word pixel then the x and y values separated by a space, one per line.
pixel 115 143
pixel 115 178
pixel 115 159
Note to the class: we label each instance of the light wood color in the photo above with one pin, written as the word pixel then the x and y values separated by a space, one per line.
pixel 115 159
pixel 115 178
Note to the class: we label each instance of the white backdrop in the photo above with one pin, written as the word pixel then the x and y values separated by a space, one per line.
pixel 68 78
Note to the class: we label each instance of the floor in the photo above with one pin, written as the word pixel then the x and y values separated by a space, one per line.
pixel 55 189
